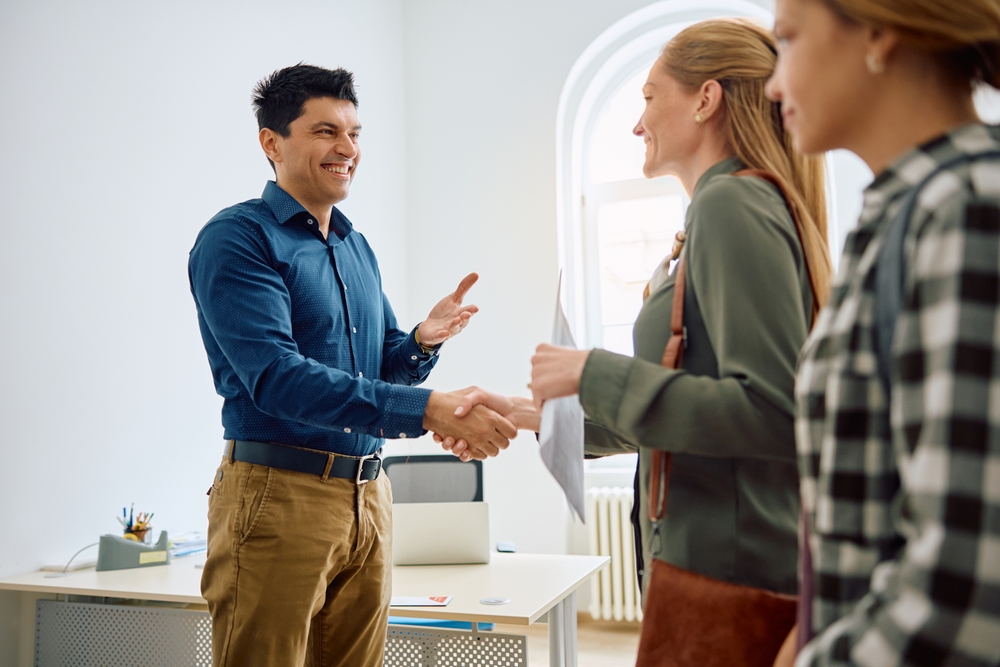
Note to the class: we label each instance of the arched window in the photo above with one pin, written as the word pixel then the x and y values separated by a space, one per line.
pixel 615 225
pixel 628 222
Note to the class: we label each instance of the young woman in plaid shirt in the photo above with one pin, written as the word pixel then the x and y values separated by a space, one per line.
pixel 902 491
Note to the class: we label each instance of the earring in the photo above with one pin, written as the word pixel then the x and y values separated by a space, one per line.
pixel 874 63
pixel 698 118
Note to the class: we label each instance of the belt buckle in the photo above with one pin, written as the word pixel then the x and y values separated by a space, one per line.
pixel 361 468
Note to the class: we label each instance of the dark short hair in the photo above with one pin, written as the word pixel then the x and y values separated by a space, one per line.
pixel 278 99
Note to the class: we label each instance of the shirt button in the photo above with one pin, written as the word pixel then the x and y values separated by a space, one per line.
pixel 414 357
pixel 402 435
pixel 360 374
pixel 354 329
pixel 347 430
pixel 310 221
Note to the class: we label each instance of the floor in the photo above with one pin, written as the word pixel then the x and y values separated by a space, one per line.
pixel 601 643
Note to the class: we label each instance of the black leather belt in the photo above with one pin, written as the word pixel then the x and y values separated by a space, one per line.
pixel 312 461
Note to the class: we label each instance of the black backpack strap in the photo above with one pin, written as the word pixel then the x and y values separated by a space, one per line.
pixel 640 564
pixel 890 268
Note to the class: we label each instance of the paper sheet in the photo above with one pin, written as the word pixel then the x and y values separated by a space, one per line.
pixel 438 601
pixel 561 434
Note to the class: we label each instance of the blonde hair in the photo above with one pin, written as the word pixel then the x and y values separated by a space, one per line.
pixel 964 36
pixel 741 56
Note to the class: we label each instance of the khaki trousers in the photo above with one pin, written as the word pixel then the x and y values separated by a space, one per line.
pixel 299 568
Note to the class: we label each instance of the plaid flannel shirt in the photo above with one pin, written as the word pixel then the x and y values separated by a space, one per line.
pixel 903 496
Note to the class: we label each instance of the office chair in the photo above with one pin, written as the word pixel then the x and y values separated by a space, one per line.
pixel 435 479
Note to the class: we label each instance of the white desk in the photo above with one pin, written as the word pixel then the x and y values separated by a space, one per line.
pixel 537 586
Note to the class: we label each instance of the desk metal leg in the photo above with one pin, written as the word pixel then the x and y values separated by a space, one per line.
pixel 557 636
pixel 569 634
pixel 562 633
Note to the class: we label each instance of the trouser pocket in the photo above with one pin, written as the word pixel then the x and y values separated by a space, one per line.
pixel 254 501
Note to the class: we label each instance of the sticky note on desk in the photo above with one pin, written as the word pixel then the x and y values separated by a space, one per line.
pixel 147 557
pixel 440 601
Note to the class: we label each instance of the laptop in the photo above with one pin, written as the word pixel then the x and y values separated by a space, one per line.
pixel 440 533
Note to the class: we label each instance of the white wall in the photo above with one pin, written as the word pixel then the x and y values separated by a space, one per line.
pixel 126 126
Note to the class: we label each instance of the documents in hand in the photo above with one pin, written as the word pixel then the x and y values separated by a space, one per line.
pixel 561 435
pixel 440 601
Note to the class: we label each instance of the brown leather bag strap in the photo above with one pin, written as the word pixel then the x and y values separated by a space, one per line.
pixel 672 357
pixel 674 352
pixel 659 475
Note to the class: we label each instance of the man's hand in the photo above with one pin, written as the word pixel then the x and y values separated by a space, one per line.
pixel 518 411
pixel 556 372
pixel 484 430
pixel 449 316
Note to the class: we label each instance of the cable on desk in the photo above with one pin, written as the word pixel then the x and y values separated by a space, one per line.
pixel 70 562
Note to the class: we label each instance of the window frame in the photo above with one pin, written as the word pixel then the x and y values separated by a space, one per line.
pixel 592 196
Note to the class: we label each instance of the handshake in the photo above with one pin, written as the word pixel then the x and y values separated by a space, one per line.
pixel 473 423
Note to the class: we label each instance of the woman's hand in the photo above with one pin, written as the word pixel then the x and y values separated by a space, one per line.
pixel 556 372
pixel 786 654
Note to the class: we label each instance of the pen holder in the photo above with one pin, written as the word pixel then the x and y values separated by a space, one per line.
pixel 138 535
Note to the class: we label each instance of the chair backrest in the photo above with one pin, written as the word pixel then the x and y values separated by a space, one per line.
pixel 434 479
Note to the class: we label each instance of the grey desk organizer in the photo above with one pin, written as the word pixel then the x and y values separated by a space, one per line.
pixel 117 553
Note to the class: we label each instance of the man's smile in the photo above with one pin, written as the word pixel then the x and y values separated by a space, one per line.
pixel 342 169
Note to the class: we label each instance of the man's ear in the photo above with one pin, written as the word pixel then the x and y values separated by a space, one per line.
pixel 709 99
pixel 269 142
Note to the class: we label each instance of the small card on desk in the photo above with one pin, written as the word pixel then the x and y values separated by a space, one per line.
pixel 440 601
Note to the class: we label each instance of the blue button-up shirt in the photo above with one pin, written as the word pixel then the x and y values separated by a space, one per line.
pixel 302 342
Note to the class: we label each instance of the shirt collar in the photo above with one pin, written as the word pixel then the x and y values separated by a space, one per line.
pixel 339 223
pixel 285 207
pixel 727 166
pixel 914 166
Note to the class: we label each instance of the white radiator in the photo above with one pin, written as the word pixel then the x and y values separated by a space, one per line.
pixel 614 593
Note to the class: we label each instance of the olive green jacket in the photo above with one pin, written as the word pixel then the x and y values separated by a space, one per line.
pixel 733 499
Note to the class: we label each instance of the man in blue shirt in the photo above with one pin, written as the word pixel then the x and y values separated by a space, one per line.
pixel 314 373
